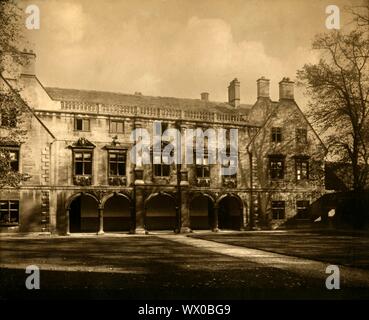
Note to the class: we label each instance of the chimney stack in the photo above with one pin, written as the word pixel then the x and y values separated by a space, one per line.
pixel 234 93
pixel 263 88
pixel 28 62
pixel 286 87
pixel 204 96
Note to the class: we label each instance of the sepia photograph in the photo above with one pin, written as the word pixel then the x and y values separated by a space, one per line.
pixel 171 152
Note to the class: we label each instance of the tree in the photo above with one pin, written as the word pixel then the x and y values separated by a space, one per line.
pixel 339 88
pixel 361 15
pixel 12 110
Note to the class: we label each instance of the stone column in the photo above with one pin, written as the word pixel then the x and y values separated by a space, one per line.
pixel 67 223
pixel 101 220
pixel 183 184
pixel 215 222
pixel 243 217
pixel 183 170
pixel 140 211
pixel 132 212
pixel 185 211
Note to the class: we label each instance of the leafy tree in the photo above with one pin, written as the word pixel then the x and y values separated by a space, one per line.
pixel 12 108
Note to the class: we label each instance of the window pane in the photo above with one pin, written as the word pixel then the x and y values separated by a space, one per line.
pixel 86 124
pixel 113 126
pixel 113 168
pixel 13 155
pixel 88 168
pixel 112 156
pixel 78 124
pixel 157 169
pixel 166 169
pixel 87 156
pixel 14 217
pixel 14 205
pixel 14 163
pixel 121 157
pixel 4 217
pixel 9 212
pixel 206 172
pixel 120 127
pixel 78 156
pixel 121 169
pixel 78 168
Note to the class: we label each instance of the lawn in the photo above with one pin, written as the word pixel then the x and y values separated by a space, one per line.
pixel 328 246
pixel 145 267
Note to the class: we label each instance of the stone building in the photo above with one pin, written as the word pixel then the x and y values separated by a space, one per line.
pixel 81 178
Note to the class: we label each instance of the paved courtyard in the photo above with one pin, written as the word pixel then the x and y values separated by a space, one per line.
pixel 164 267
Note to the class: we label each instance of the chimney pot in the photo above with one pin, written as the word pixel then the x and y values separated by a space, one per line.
pixel 204 96
pixel 28 62
pixel 263 87
pixel 286 89
pixel 234 93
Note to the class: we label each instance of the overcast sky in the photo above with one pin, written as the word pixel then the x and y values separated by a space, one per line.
pixel 176 47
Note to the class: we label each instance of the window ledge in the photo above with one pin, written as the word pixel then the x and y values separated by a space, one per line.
pixel 203 182
pixel 117 180
pixel 82 180
pixel 229 182
pixel 9 224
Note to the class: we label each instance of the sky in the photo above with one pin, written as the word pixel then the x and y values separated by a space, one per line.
pixel 176 48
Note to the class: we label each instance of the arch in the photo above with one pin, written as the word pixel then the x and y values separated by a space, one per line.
pixel 200 194
pixel 159 214
pixel 232 195
pixel 118 194
pixel 82 213
pixel 76 195
pixel 230 211
pixel 160 193
pixel 118 215
pixel 201 211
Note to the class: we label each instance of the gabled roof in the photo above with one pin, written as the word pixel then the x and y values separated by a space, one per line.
pixel 24 103
pixel 275 105
pixel 106 97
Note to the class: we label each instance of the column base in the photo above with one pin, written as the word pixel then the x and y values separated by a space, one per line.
pixel 139 182
pixel 100 233
pixel 185 230
pixel 215 229
pixel 139 231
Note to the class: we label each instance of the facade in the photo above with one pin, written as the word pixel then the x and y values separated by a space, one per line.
pixel 81 178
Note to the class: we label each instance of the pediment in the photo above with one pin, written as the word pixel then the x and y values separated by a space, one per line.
pixel 82 143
